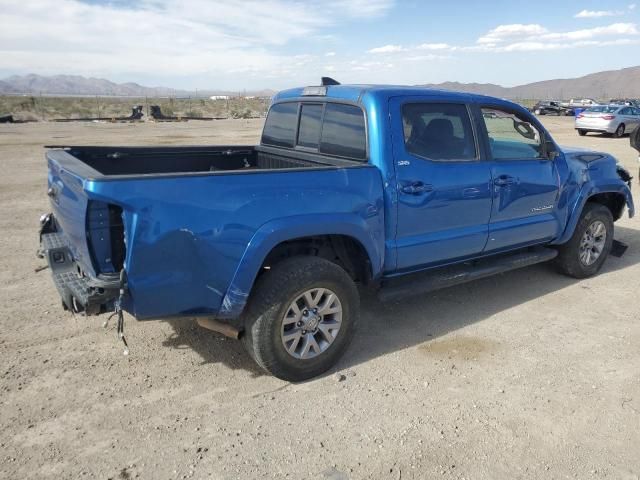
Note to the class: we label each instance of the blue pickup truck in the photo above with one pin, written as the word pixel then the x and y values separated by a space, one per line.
pixel 399 190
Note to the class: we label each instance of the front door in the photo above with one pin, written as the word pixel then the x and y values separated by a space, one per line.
pixel 525 181
pixel 444 196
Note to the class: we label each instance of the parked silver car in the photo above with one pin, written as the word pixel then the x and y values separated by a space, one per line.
pixel 614 119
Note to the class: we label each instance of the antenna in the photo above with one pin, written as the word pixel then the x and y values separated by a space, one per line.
pixel 326 81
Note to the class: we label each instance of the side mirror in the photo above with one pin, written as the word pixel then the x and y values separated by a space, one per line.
pixel 551 149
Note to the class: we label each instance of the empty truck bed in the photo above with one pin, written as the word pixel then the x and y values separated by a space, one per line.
pixel 125 161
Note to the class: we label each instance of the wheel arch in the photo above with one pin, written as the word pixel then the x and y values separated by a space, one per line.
pixel 335 238
pixel 614 201
pixel 614 197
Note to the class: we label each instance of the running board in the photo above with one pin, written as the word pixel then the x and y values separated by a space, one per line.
pixel 443 277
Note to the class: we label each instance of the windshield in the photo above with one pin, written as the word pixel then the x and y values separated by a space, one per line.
pixel 603 109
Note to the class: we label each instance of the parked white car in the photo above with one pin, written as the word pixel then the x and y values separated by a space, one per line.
pixel 612 119
pixel 580 103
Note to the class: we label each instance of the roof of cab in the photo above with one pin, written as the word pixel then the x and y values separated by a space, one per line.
pixel 355 93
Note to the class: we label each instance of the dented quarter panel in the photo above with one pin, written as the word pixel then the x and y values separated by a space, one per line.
pixel 194 244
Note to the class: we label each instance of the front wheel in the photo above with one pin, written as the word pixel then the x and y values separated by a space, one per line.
pixel 301 317
pixel 585 253
pixel 581 132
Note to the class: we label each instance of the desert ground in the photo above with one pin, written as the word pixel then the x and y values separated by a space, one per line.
pixel 525 375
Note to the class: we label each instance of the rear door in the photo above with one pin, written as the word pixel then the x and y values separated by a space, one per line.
pixel 444 200
pixel 525 182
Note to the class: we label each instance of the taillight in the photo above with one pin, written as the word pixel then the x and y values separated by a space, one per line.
pixel 105 232
pixel 608 117
pixel 580 115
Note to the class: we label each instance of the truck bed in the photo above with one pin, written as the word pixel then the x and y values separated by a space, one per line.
pixel 180 219
pixel 121 161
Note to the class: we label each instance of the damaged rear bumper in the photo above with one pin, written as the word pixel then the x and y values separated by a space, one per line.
pixel 78 291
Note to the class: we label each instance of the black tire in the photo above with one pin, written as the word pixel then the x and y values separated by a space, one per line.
pixel 568 259
pixel 273 293
pixel 582 132
pixel 619 131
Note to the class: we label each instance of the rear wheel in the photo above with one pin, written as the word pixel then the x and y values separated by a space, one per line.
pixel 585 253
pixel 619 131
pixel 582 132
pixel 301 318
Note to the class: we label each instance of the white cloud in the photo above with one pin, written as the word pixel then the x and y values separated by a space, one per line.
pixel 505 32
pixel 330 54
pixel 609 30
pixel 534 37
pixel 598 13
pixel 632 6
pixel 523 38
pixel 429 56
pixel 435 46
pixel 361 8
pixel 387 49
pixel 166 38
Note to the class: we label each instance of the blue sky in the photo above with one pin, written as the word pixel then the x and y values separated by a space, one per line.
pixel 251 44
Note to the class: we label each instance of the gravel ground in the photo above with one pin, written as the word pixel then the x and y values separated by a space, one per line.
pixel 524 375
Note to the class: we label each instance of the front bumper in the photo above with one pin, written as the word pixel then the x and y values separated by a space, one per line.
pixel 78 291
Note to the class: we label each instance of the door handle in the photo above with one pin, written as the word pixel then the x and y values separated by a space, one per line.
pixel 416 188
pixel 470 192
pixel 504 180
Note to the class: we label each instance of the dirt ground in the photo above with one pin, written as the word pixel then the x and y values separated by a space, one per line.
pixel 525 375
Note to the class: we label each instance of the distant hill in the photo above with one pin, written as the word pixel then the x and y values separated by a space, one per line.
pixel 78 85
pixel 601 85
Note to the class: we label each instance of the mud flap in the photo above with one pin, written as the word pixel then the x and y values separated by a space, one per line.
pixel 618 248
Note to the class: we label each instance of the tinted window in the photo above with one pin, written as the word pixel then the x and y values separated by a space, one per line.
pixel 625 111
pixel 511 136
pixel 310 118
pixel 343 131
pixel 438 131
pixel 280 126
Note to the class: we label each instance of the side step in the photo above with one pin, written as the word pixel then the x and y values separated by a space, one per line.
pixel 423 282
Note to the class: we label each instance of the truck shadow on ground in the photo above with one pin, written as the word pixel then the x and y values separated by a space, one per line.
pixel 388 327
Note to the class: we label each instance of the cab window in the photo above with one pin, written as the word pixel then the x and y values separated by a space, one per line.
pixel 343 132
pixel 511 136
pixel 438 131
pixel 280 126
pixel 310 124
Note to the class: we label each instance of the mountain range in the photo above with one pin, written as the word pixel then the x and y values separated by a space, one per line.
pixel 602 85
pixel 77 85
pixel 624 83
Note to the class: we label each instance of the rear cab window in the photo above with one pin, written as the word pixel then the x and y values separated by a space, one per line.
pixel 336 129
pixel 280 126
pixel 343 132
pixel 310 124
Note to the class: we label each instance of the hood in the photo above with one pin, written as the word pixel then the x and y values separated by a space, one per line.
pixel 585 155
pixel 597 164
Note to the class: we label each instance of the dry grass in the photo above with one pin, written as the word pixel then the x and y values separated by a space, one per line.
pixel 48 108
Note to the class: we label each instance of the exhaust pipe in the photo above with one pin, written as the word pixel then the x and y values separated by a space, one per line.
pixel 216 326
